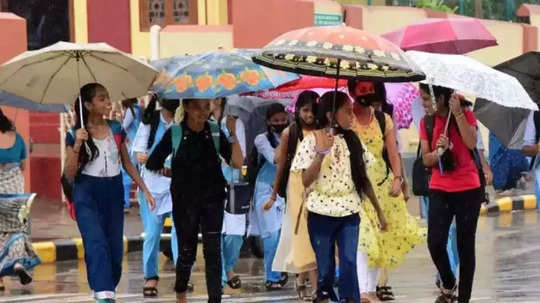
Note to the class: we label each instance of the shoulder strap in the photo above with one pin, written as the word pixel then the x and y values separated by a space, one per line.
pixel 428 124
pixel 176 137
pixel 382 122
pixel 215 130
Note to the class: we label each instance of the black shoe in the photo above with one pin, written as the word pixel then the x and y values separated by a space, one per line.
pixel 447 296
pixel 284 278
pixel 270 286
pixel 23 275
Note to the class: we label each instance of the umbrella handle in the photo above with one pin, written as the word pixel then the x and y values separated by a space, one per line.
pixel 81 111
pixel 335 95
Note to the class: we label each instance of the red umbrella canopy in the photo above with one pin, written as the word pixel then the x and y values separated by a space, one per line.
pixel 310 82
pixel 318 51
pixel 445 36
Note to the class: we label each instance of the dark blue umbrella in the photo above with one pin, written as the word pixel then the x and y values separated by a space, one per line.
pixel 9 99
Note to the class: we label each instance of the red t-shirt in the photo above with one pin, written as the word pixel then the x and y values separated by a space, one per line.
pixel 465 175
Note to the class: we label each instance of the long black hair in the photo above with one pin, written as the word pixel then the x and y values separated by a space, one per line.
pixel 151 116
pixel 274 108
pixel 356 151
pixel 306 97
pixel 5 124
pixel 88 92
pixel 129 104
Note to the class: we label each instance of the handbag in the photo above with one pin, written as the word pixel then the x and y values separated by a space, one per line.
pixel 238 198
pixel 420 176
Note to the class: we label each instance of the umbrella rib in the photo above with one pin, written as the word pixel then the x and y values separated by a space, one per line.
pixel 51 78
pixel 29 64
pixel 89 70
pixel 109 62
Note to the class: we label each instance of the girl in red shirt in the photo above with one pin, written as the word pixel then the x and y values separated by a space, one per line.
pixel 455 189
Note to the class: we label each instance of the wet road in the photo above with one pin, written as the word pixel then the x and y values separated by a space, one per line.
pixel 508 270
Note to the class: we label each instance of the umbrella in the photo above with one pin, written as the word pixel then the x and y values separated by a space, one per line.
pixel 214 75
pixel 469 76
pixel 401 95
pixel 9 99
pixel 443 35
pixel 309 82
pixel 318 51
pixel 252 111
pixel 525 68
pixel 54 74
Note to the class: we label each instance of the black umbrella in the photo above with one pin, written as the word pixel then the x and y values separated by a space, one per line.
pixel 525 68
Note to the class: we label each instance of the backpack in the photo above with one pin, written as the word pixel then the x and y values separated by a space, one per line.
pixel 294 136
pixel 381 119
pixel 421 174
pixel 256 161
pixel 475 154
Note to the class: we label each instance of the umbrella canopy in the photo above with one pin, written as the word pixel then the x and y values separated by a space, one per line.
pixel 323 51
pixel 469 76
pixel 54 74
pixel 525 68
pixel 214 75
pixel 401 95
pixel 9 99
pixel 310 82
pixel 443 35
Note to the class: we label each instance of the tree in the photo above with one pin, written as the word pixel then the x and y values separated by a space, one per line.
pixel 438 5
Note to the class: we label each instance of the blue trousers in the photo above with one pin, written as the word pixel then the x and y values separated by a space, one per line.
pixel 324 233
pixel 153 226
pixel 99 208
pixel 230 251
pixel 537 191
pixel 270 243
pixel 451 246
pixel 126 181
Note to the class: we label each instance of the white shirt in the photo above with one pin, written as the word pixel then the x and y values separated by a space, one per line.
pixel 108 163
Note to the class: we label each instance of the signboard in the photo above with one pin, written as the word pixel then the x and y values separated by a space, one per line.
pixel 322 19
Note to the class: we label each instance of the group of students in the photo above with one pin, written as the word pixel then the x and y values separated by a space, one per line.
pixel 309 195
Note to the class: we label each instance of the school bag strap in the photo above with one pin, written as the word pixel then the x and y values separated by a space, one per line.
pixel 177 133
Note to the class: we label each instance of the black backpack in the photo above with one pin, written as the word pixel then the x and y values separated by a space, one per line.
pixel 420 173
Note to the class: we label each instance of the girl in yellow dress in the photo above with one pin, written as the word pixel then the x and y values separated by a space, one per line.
pixel 295 254
pixel 381 250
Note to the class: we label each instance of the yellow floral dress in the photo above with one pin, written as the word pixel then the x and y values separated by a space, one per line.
pixel 388 249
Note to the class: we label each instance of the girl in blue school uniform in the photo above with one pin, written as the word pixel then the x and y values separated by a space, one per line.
pixel 95 153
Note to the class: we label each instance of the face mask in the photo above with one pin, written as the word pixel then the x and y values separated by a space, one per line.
pixel 170 105
pixel 362 100
pixel 278 128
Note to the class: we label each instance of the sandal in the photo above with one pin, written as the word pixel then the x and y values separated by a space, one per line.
pixel 273 285
pixel 234 282
pixel 284 278
pixel 301 291
pixel 150 291
pixel 384 293
pixel 23 275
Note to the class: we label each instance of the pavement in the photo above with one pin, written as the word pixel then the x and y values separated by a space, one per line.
pixel 508 270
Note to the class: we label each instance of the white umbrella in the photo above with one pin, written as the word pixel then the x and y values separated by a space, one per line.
pixel 54 74
pixel 469 76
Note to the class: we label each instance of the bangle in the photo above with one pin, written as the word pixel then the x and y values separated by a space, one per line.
pixel 232 139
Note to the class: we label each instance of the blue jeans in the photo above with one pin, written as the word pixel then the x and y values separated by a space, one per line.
pixel 153 226
pixel 99 209
pixel 324 233
pixel 230 251
pixel 126 181
pixel 270 244
pixel 451 246
pixel 537 191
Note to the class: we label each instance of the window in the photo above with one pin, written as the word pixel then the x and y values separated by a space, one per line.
pixel 47 21
pixel 166 12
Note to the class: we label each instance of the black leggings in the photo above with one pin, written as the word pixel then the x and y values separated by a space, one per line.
pixel 190 214
pixel 465 207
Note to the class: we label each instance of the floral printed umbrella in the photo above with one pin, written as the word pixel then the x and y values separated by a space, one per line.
pixel 318 51
pixel 401 96
pixel 214 75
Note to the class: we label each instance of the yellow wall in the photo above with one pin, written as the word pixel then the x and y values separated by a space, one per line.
pixel 510 39
pixel 535 21
pixel 140 41
pixel 217 12
pixel 80 15
pixel 382 19
pixel 174 43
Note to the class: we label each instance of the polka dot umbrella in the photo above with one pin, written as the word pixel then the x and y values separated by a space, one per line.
pixel 340 52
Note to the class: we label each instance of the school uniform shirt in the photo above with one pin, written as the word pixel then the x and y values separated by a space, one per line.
pixel 196 168
pixel 158 184
pixel 465 175
pixel 14 154
pixel 529 138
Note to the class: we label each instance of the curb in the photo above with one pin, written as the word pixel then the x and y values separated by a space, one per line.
pixel 72 249
pixel 507 204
